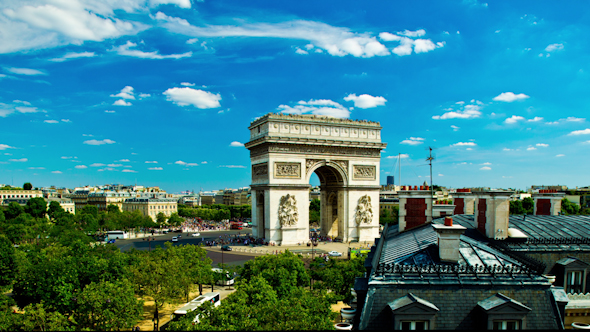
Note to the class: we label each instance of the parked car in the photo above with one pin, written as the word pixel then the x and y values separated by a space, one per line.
pixel 175 239
pixel 334 253
pixel 196 234
pixel 226 248
pixel 111 241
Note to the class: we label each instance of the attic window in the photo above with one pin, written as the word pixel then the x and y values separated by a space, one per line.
pixel 413 313
pixel 504 313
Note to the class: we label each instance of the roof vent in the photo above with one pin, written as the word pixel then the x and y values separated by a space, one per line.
pixel 449 240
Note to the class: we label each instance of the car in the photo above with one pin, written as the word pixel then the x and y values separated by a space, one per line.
pixel 178 231
pixel 179 236
pixel 226 248
pixel 175 239
pixel 334 253
pixel 196 234
pixel 111 241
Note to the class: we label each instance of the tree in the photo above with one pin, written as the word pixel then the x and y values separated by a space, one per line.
pixel 528 204
pixel 337 275
pixel 568 207
pixel 13 210
pixel 7 261
pixel 37 317
pixel 192 266
pixel 175 219
pixel 27 186
pixel 54 209
pixel 283 272
pixel 88 209
pixel 36 207
pixel 112 208
pixel 161 218
pixel 516 207
pixel 107 306
pixel 314 211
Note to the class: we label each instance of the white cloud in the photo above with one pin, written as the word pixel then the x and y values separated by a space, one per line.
pixel 514 119
pixel 317 107
pixel 464 144
pixel 109 111
pixel 101 142
pixel 24 71
pixel 560 155
pixel 455 128
pixel 72 55
pixel 127 51
pixel 129 171
pixel 573 119
pixel 192 41
pixel 122 102
pixel 155 168
pixel 114 165
pixel 80 166
pixel 5 146
pixel 232 166
pixel 413 141
pixel 543 145
pixel 510 97
pixel 535 119
pixel 51 121
pixel 554 47
pixel 124 160
pixel 204 162
pixel 198 98
pixel 126 93
pixel 365 101
pixel 300 51
pixel 151 162
pixel 56 172
pixel 486 168
pixel 144 95
pixel 413 34
pixel 236 144
pixel 21 160
pixel 469 112
pixel 36 167
pixel 97 165
pixel 423 45
pixel 506 149
pixel 180 162
pixel 439 174
pixel 486 163
pixel 66 120
pixel 580 132
pixel 187 84
pixel 531 148
pixel 402 156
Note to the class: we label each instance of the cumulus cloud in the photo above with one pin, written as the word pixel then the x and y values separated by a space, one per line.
pixel 97 165
pixel 155 168
pixel 317 107
pixel 580 132
pixel 560 155
pixel 455 128
pixel 127 50
pixel 514 119
pixel 80 166
pixel 197 98
pixel 402 156
pixel 510 97
pixel 336 41
pixel 109 111
pixel 51 121
pixel 5 146
pixel 151 162
pixel 554 47
pixel 180 162
pixel 535 119
pixel 72 55
pixel 56 172
pixel 486 168
pixel 21 160
pixel 187 84
pixel 236 144
pixel 413 141
pixel 542 145
pixel 99 142
pixel 126 93
pixel 129 171
pixel 470 111
pixel 486 163
pixel 464 144
pixel 531 148
pixel 122 102
pixel 232 166
pixel 365 101
pixel 24 71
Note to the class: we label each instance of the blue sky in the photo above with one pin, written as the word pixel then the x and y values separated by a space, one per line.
pixel 161 92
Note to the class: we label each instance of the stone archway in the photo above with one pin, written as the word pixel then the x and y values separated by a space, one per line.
pixel 285 150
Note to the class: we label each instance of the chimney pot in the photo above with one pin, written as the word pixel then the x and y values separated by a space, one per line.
pixel 448 221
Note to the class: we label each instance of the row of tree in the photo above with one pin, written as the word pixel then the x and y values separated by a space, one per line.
pixel 216 212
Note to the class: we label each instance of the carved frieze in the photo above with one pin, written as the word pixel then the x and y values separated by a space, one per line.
pixel 288 215
pixel 343 164
pixel 309 163
pixel 260 170
pixel 364 211
pixel 314 149
pixel 287 170
pixel 363 172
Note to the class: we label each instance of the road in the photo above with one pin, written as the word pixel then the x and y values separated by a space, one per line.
pixel 186 238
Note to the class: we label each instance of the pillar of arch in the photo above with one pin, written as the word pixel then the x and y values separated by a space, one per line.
pixel 285 150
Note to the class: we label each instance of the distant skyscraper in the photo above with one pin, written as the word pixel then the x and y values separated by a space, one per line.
pixel 389 179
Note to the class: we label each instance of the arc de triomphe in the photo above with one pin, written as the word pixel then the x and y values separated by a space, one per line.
pixel 285 150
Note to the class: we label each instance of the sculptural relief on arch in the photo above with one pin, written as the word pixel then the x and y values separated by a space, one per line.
pixel 285 150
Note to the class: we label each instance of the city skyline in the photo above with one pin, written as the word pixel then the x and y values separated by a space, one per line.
pixel 161 92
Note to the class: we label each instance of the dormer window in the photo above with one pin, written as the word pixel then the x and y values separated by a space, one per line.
pixel 504 313
pixel 413 313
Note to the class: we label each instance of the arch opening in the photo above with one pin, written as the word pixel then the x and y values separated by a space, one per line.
pixel 331 214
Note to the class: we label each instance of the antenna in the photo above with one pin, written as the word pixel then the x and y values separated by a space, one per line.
pixel 399 164
pixel 429 160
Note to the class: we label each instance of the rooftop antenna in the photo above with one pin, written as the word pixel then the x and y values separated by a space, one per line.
pixel 399 165
pixel 429 160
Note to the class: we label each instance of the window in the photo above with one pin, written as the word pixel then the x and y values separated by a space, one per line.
pixel 414 325
pixel 574 282
pixel 506 325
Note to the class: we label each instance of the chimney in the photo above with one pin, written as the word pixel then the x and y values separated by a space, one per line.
pixel 464 201
pixel 492 211
pixel 547 202
pixel 449 240
pixel 414 207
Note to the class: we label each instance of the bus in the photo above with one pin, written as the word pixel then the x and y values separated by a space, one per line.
pixel 227 281
pixel 212 297
pixel 235 225
pixel 116 235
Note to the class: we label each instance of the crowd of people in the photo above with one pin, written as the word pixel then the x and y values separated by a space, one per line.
pixel 198 225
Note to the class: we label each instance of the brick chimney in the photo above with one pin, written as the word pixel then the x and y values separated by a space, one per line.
pixel 492 211
pixel 547 202
pixel 449 240
pixel 414 207
pixel 464 201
